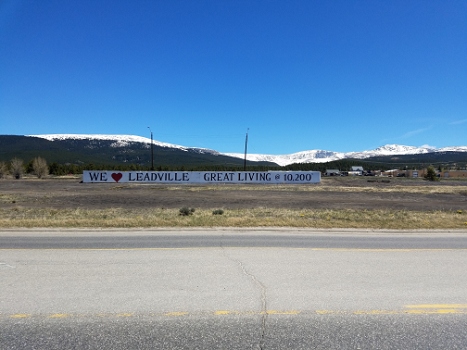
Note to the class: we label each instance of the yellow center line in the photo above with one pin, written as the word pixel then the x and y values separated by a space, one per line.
pixel 222 312
pixel 176 313
pixel 277 312
pixel 59 315
pixel 437 309
pixel 422 309
pixel 20 316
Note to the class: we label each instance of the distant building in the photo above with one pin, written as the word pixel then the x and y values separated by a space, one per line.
pixel 455 174
pixel 356 171
pixel 332 172
pixel 393 173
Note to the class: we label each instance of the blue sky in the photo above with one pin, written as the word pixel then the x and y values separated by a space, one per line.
pixel 300 74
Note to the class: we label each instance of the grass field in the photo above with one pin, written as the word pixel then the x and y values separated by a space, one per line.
pixel 31 206
pixel 258 217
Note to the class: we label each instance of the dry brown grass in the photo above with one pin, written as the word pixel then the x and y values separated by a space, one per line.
pixel 323 187
pixel 259 217
pixel 14 215
pixel 6 198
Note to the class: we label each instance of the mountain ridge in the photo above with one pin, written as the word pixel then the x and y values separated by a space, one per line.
pixel 309 156
pixel 112 150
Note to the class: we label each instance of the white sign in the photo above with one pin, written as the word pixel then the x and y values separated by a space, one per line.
pixel 203 177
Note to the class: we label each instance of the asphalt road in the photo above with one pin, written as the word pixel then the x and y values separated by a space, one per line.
pixel 209 238
pixel 222 289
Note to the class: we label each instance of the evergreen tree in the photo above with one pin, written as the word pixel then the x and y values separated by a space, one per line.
pixel 431 174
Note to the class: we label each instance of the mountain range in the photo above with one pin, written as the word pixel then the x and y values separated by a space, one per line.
pixel 322 156
pixel 95 148
pixel 311 156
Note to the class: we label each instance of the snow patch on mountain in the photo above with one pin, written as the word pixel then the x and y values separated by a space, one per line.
pixel 120 141
pixel 453 149
pixel 390 150
pixel 314 156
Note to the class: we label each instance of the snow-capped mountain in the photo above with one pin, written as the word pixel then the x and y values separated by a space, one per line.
pixel 389 150
pixel 120 141
pixel 311 156
pixel 320 156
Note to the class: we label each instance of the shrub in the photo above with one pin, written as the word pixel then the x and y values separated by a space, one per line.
pixel 3 169
pixel 17 168
pixel 218 212
pixel 185 211
pixel 39 166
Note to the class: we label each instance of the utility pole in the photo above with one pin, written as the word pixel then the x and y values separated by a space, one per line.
pixel 246 147
pixel 152 150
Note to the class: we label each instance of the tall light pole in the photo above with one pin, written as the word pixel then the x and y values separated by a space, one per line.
pixel 246 147
pixel 152 150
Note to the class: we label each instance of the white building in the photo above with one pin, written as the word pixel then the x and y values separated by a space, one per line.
pixel 356 171
pixel 332 172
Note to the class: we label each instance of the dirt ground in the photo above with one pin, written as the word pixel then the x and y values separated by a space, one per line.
pixel 331 193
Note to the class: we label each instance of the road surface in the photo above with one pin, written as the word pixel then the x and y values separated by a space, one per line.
pixel 232 289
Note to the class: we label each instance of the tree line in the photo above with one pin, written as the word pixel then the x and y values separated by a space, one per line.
pixel 39 167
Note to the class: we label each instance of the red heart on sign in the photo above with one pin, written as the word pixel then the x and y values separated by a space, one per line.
pixel 117 176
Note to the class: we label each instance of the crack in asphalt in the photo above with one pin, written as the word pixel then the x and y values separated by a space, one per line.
pixel 262 288
pixel 264 313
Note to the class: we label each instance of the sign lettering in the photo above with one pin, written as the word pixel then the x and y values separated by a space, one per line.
pixel 204 177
